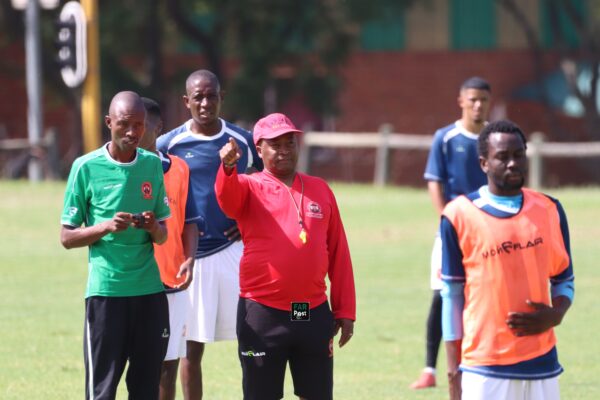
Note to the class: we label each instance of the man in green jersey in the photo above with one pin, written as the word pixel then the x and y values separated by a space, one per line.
pixel 115 203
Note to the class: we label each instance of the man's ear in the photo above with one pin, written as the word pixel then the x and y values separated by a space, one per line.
pixel 222 95
pixel 259 148
pixel 107 121
pixel 483 163
pixel 186 101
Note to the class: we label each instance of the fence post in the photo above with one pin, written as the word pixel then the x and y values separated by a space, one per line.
pixel 52 156
pixel 535 160
pixel 304 156
pixel 382 156
pixel 304 148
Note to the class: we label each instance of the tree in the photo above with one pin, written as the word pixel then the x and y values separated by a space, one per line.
pixel 291 48
pixel 284 47
pixel 588 56
pixel 573 60
pixel 131 58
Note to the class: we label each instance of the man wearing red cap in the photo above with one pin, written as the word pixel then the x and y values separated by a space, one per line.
pixel 293 237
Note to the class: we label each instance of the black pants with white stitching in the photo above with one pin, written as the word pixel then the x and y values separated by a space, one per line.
pixel 120 330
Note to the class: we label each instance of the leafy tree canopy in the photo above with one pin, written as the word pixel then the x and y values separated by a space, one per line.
pixel 302 43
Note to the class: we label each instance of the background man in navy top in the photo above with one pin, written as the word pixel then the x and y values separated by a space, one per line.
pixel 214 291
pixel 452 169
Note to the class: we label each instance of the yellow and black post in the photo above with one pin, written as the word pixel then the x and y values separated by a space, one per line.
pixel 90 100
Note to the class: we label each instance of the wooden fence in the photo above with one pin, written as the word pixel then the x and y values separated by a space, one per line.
pixel 15 155
pixel 384 141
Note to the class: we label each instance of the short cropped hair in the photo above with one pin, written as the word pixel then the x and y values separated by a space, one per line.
pixel 476 82
pixel 502 126
pixel 203 74
pixel 152 107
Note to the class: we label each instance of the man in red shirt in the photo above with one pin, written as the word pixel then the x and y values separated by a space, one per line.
pixel 293 237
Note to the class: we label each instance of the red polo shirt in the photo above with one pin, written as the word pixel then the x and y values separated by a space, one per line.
pixel 277 268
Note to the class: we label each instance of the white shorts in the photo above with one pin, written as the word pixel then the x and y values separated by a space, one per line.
pixel 179 307
pixel 436 264
pixel 214 295
pixel 479 387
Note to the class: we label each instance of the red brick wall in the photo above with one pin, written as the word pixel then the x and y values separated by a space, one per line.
pixel 416 92
pixel 13 101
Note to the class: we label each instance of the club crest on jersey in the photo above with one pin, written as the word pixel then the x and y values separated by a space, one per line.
pixel 147 190
pixel 314 210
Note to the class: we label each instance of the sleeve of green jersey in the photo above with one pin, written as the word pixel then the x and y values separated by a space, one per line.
pixel 74 207
pixel 161 209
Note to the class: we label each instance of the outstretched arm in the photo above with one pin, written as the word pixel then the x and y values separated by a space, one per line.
pixel 230 190
pixel 230 153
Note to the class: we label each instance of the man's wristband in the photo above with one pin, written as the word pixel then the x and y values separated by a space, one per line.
pixel 229 165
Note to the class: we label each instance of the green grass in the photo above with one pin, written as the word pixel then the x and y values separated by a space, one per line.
pixel 390 233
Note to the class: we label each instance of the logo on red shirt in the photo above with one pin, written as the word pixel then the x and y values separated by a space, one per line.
pixel 314 210
pixel 147 190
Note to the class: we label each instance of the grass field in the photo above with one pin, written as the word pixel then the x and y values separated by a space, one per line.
pixel 390 232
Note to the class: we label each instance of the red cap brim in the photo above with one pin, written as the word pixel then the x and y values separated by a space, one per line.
pixel 274 134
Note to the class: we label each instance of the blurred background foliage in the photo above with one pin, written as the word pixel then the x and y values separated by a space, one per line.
pixel 348 65
pixel 303 41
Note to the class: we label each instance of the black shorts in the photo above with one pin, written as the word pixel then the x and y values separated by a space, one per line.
pixel 268 339
pixel 121 329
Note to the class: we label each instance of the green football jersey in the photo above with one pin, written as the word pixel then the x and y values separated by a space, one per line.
pixel 120 263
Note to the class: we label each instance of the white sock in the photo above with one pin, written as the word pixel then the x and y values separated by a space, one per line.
pixel 429 370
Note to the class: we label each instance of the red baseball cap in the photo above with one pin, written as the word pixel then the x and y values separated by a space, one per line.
pixel 272 126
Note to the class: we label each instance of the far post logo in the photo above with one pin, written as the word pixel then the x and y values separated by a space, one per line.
pixel 300 311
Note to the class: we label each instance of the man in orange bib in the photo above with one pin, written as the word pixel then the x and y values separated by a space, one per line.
pixel 508 279
pixel 175 257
